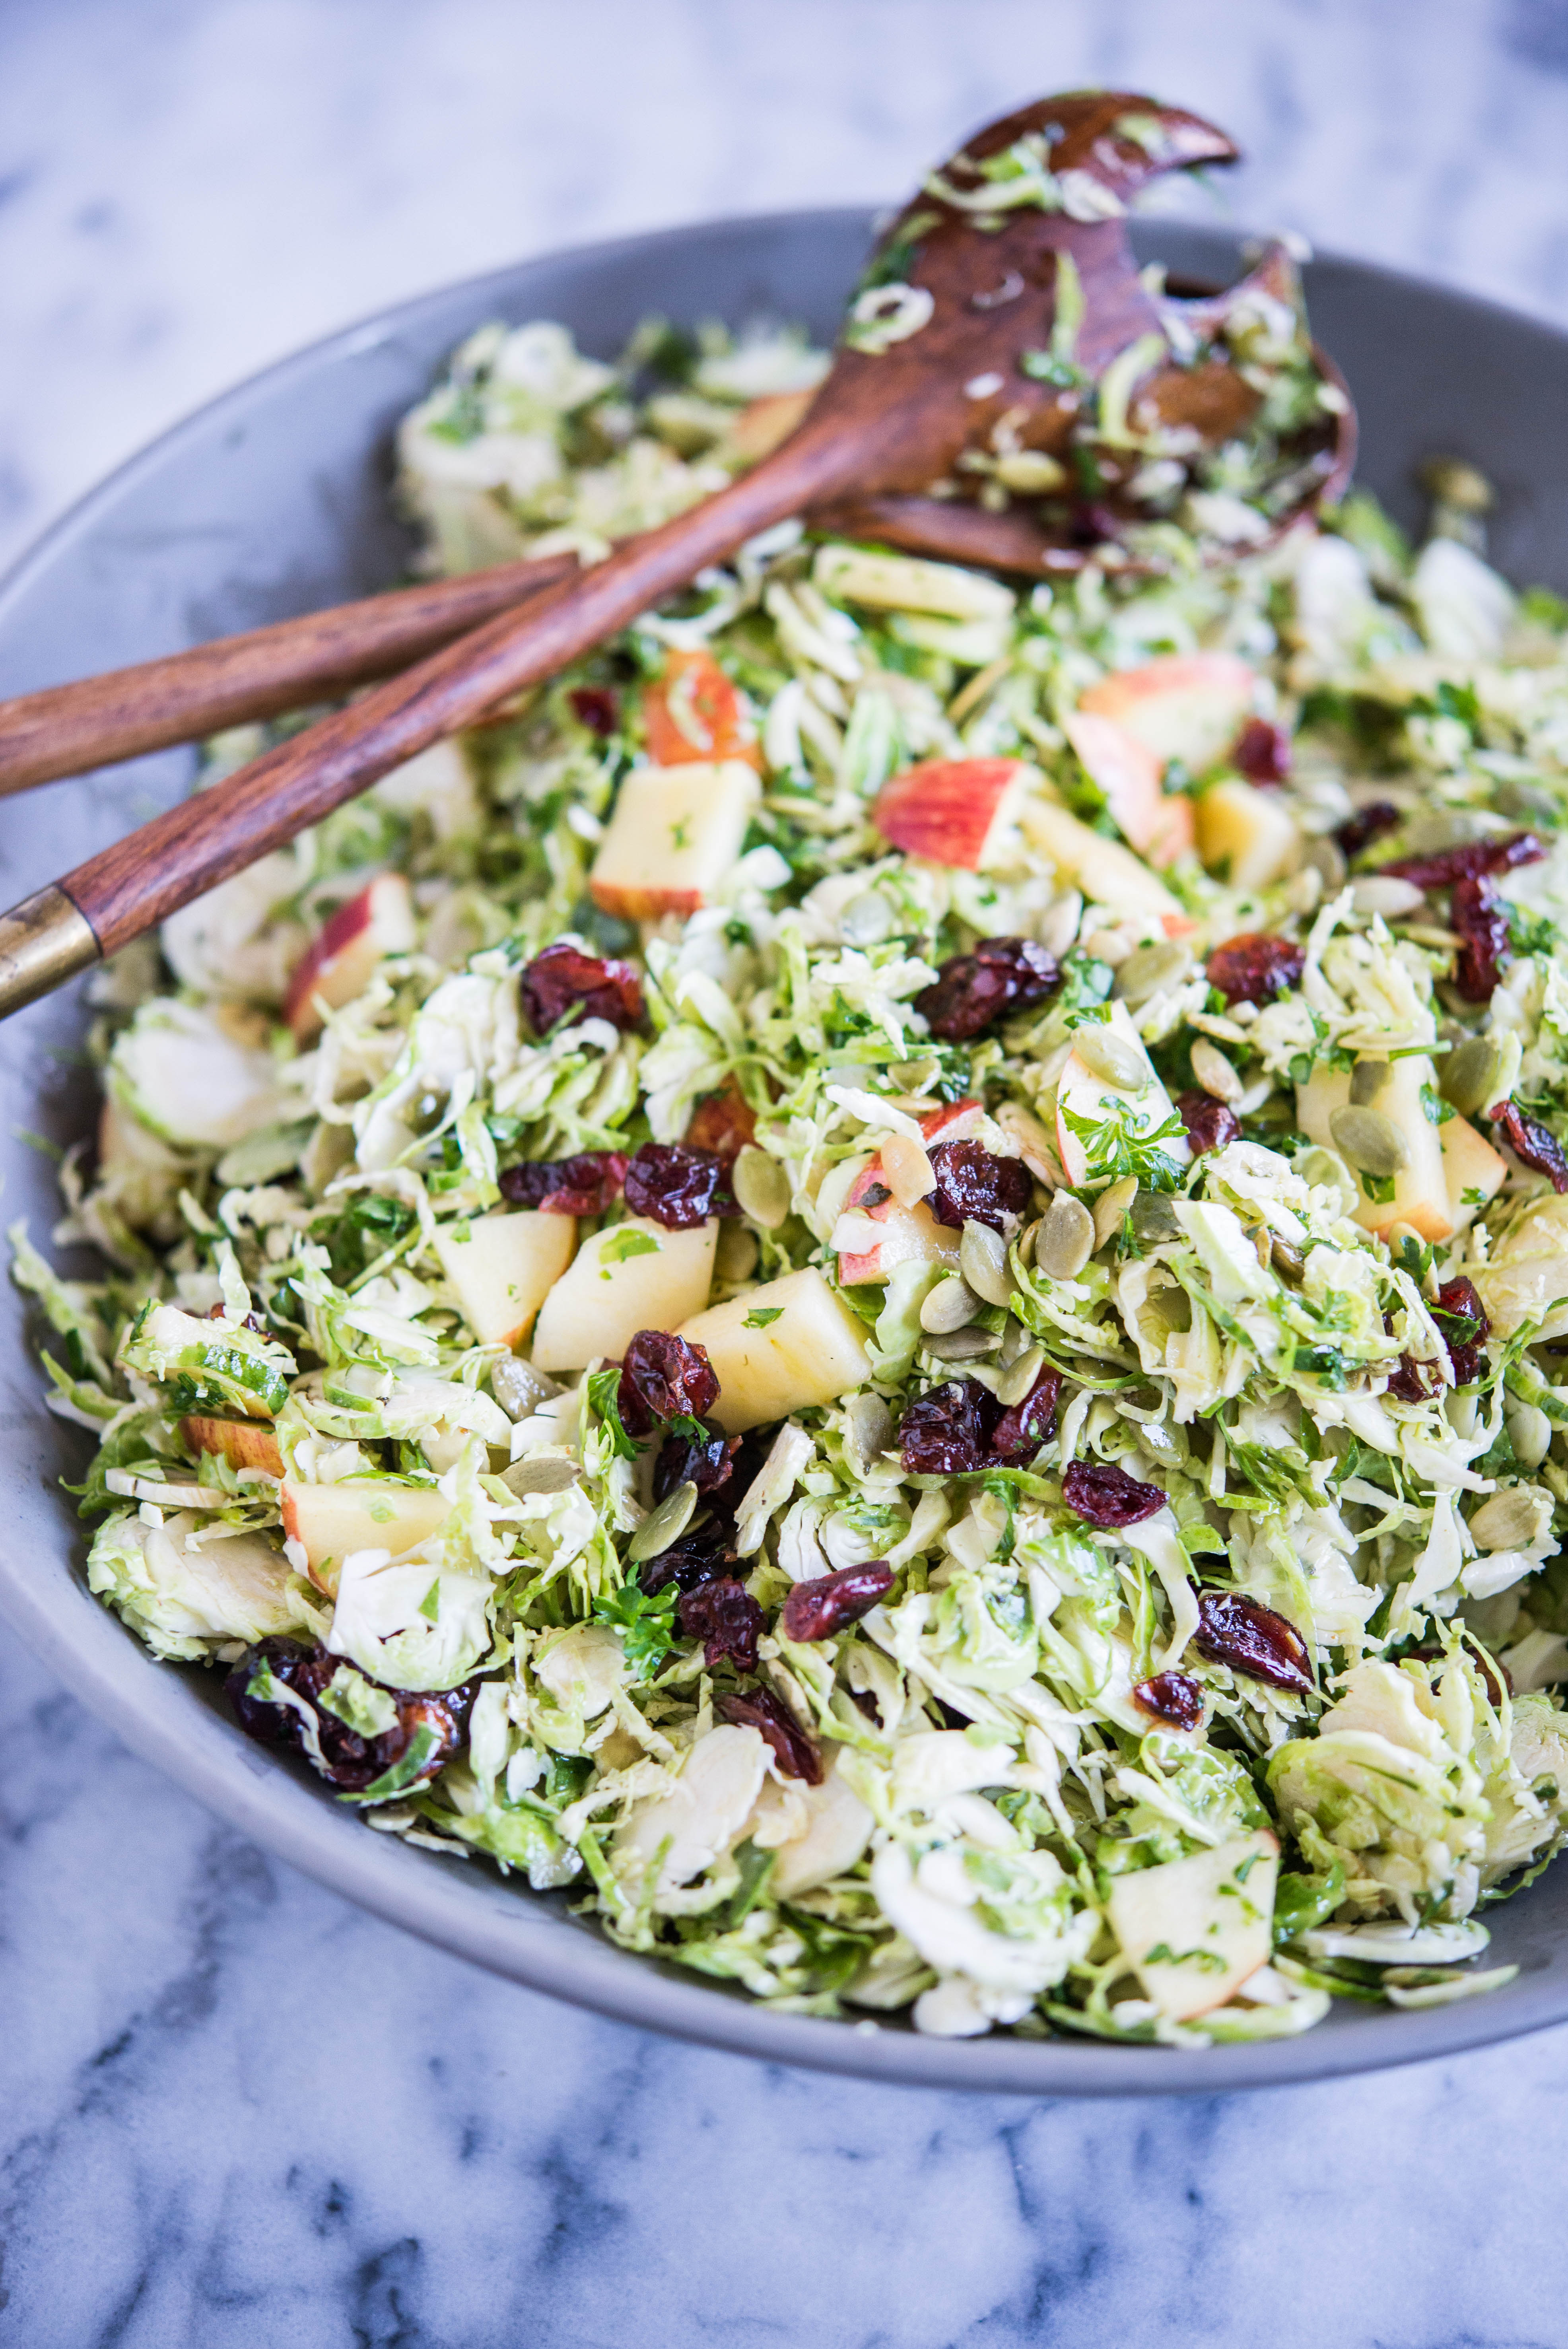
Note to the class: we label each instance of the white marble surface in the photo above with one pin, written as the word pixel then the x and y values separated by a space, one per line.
pixel 234 2112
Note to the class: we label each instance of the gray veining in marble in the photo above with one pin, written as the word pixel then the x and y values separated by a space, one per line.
pixel 234 2112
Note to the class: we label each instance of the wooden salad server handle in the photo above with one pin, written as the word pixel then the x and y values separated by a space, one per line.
pixel 961 292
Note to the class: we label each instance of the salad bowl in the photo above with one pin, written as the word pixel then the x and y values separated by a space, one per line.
pixel 274 499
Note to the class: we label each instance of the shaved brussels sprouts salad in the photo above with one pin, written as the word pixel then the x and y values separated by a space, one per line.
pixel 881 1285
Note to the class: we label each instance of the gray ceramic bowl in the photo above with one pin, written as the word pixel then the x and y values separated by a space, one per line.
pixel 273 501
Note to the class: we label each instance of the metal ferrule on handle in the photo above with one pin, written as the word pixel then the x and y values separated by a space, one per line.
pixel 44 941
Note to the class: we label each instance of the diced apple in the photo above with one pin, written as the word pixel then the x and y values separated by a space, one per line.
pixel 242 1443
pixel 503 1267
pixel 1420 1197
pixel 333 1521
pixel 1470 1165
pixel 782 1347
pixel 634 1276
pixel 674 836
pixel 1194 1929
pixel 1127 771
pixel 343 961
pixel 694 716
pixel 1083 1094
pixel 912 1232
pixel 1186 706
pixel 1107 873
pixel 951 810
pixel 1247 837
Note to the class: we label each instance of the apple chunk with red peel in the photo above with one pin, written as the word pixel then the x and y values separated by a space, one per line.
pixel 343 960
pixel 1084 1093
pixel 675 835
pixel 631 1276
pixel 1185 705
pixel 242 1443
pixel 502 1268
pixel 951 810
pixel 332 1521
pixel 1419 1192
pixel 911 1234
pixel 1129 773
pixel 785 1347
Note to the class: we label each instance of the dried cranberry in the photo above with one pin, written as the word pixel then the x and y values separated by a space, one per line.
pixel 759 1709
pixel 1533 1143
pixel 971 991
pixel 563 975
pixel 817 1609
pixel 1255 968
pixel 594 707
pixel 1172 1697
pixel 1415 1382
pixel 723 1124
pixel 678 1186
pixel 697 1557
pixel 584 1185
pixel 948 1431
pixel 1367 824
pixel 1210 1124
pixel 1262 752
pixel 706 1462
pixel 1461 1317
pixel 1479 919
pixel 1103 1495
pixel 348 1760
pixel 1021 1430
pixel 725 1618
pixel 973 1185
pixel 663 1378
pixel 1498 1679
pixel 1469 861
pixel 1251 1639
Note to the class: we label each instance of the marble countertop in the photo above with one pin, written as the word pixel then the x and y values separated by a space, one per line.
pixel 235 2111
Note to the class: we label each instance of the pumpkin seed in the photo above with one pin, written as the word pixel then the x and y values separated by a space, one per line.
pixel 1111 1209
pixel 963 1345
pixel 1372 1142
pixel 1110 1060
pixel 1214 1072
pixel 1018 1379
pixel 1529 1432
pixel 868 1425
pixel 519 1387
pixel 1327 858
pixel 664 1524
pixel 734 1257
pixel 545 1473
pixel 983 1260
pixel 1386 894
pixel 866 920
pixel 761 1187
pixel 1154 1219
pixel 1470 1076
pixel 1367 1078
pixel 1287 1259
pixel 1065 1241
pixel 1150 969
pixel 951 1305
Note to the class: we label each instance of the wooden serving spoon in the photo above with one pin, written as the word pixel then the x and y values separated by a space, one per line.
pixel 96 721
pixel 940 345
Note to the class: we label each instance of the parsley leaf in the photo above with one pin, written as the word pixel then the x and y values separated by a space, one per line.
pixel 646 1625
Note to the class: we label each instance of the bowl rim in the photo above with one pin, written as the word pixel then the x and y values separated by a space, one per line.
pixel 163 1723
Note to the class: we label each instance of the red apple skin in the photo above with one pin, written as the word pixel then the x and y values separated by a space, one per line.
pixel 944 810
pixel 643 904
pixel 1129 773
pixel 244 1443
pixel 343 959
pixel 1177 701
pixel 955 1122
